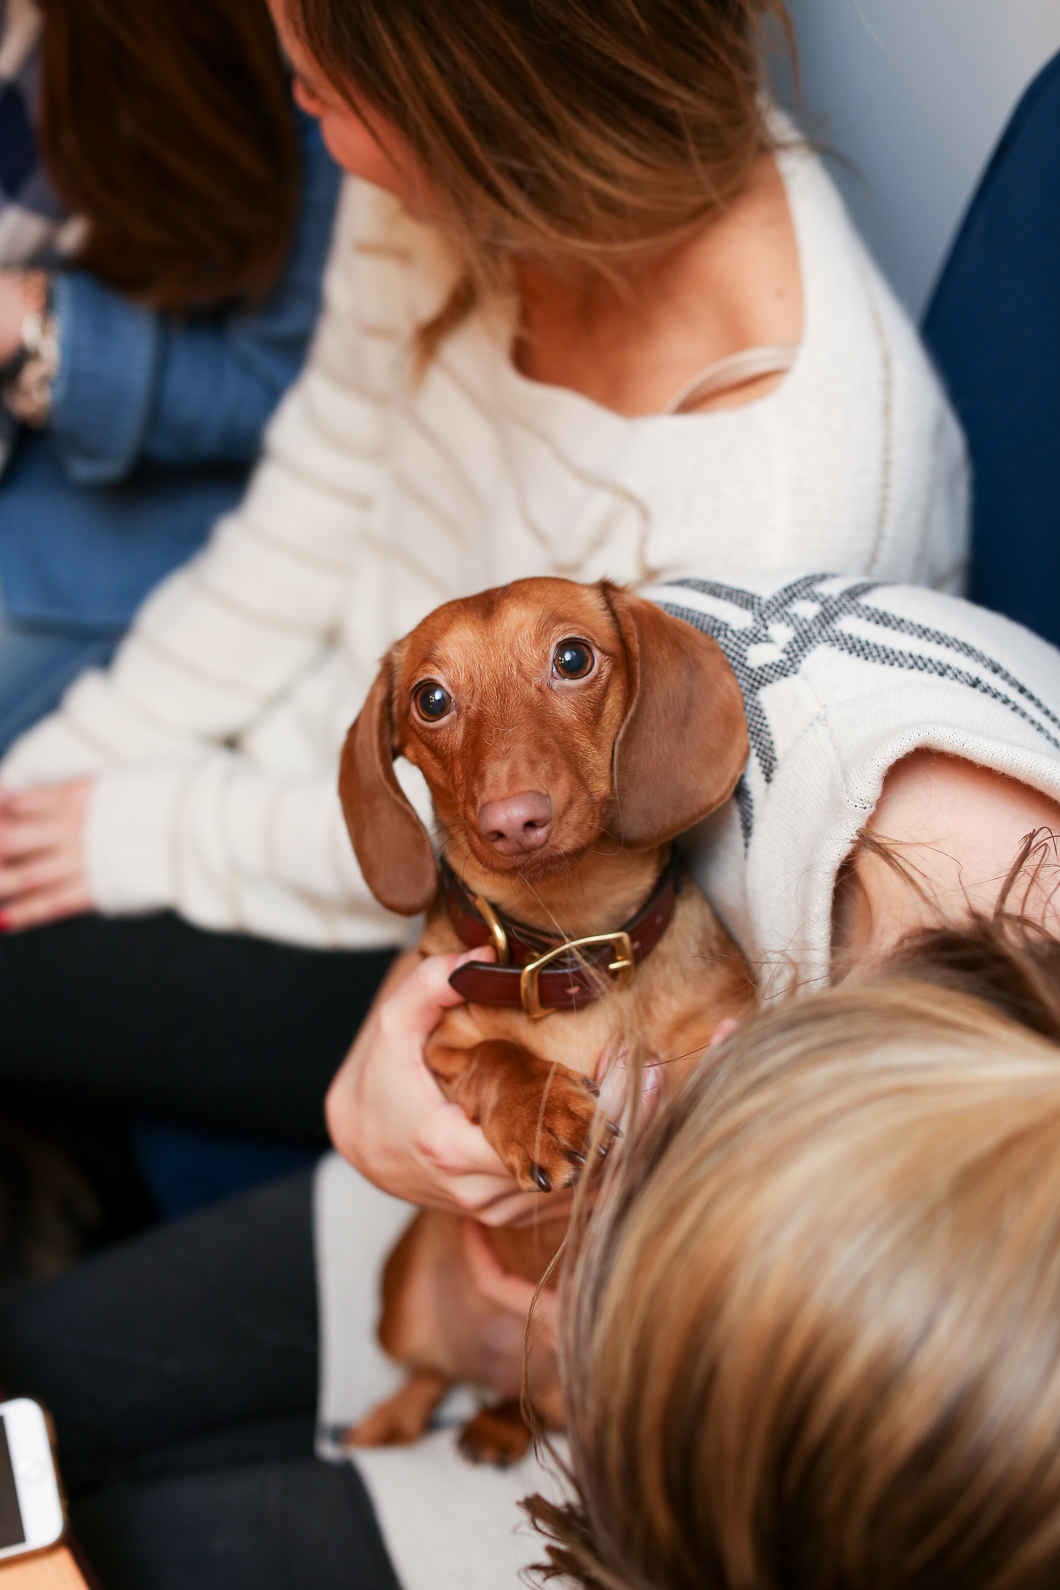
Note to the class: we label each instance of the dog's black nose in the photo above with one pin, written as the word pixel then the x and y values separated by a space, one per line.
pixel 518 824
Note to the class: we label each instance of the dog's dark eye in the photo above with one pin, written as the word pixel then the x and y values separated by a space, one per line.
pixel 433 702
pixel 572 659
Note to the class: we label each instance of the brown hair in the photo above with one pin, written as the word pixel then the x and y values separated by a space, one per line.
pixel 813 1327
pixel 169 127
pixel 590 129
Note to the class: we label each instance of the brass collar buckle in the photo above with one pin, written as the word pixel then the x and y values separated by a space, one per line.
pixel 622 967
pixel 498 937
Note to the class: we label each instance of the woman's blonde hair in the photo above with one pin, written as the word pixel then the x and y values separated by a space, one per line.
pixel 561 129
pixel 813 1327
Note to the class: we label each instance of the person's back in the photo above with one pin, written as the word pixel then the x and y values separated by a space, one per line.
pixel 164 219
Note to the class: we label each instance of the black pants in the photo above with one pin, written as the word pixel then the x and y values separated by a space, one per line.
pixel 152 1015
pixel 181 1372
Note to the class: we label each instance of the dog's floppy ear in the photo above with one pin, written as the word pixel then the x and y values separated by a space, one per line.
pixel 683 743
pixel 392 845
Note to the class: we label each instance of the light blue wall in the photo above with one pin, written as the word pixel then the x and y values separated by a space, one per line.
pixel 915 93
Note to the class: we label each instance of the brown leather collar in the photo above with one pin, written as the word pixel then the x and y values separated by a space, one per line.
pixel 537 970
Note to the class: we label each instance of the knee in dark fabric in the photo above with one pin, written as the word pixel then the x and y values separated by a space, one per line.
pixel 282 1526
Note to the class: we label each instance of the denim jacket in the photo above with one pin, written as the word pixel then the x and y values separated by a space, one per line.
pixel 155 424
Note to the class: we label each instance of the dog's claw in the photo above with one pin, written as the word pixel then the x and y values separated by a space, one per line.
pixel 541 1177
pixel 574 1157
pixel 592 1087
pixel 615 1132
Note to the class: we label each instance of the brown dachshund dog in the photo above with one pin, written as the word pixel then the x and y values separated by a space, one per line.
pixel 567 733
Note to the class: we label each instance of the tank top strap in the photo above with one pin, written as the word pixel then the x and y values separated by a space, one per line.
pixel 750 364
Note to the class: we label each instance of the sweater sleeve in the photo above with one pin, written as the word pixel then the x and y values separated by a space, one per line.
pixel 179 817
pixel 231 847
pixel 135 384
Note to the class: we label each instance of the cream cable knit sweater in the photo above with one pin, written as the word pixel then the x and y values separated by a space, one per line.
pixel 214 737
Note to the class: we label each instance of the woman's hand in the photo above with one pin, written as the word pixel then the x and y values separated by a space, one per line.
pixel 510 1292
pixel 42 862
pixel 386 1113
pixel 389 1118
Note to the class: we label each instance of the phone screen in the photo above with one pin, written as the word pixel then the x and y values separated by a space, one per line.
pixel 12 1532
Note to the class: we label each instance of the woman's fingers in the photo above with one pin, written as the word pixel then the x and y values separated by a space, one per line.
pixel 37 819
pixel 18 805
pixel 42 874
pixel 45 800
pixel 388 1116
pixel 418 1004
pixel 43 871
pixel 31 838
pixel 454 1146
pixel 69 898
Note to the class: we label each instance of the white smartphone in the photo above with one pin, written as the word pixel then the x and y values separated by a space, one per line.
pixel 31 1503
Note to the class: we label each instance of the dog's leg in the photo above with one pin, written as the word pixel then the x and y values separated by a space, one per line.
pixel 497 1435
pixel 402 1418
pixel 537 1115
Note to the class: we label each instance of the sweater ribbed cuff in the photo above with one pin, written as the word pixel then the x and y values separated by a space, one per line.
pixel 52 752
pixel 128 846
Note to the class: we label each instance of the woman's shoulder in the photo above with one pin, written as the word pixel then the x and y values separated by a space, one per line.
pixel 386 272
pixel 366 317
pixel 369 224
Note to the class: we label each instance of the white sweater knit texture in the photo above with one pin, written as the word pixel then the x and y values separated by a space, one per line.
pixel 841 678
pixel 215 735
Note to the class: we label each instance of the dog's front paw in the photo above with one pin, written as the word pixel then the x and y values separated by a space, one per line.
pixel 498 1435
pixel 543 1127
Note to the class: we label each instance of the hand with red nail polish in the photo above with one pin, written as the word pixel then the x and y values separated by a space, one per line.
pixel 42 862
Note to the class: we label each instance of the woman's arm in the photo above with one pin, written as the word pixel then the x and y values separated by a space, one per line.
pixel 224 636
pixel 226 845
pixel 956 830
pixel 136 384
pixel 175 817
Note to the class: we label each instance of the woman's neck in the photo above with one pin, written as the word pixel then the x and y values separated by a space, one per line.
pixel 630 345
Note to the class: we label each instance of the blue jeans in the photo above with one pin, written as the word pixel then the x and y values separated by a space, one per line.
pixel 37 662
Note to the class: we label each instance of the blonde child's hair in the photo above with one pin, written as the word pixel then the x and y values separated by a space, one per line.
pixel 813 1326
